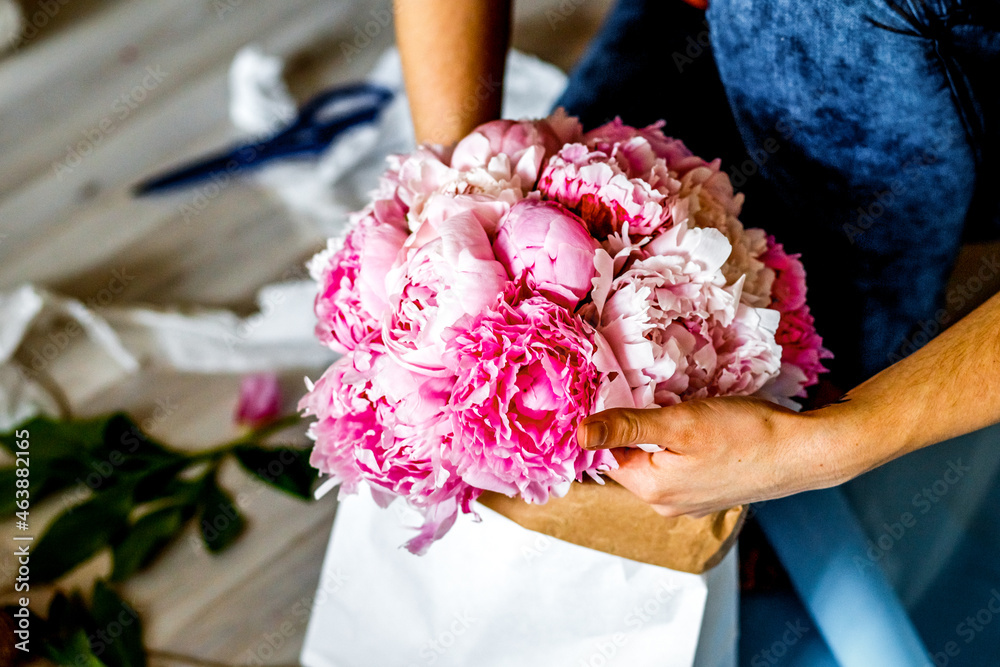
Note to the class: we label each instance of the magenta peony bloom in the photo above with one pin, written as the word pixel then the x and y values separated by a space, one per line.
pixel 673 152
pixel 594 186
pixel 341 321
pixel 788 292
pixel 551 247
pixel 524 382
pixel 259 401
pixel 801 346
pixel 383 424
pixel 351 274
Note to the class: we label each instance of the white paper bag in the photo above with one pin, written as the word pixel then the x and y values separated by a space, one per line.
pixel 493 594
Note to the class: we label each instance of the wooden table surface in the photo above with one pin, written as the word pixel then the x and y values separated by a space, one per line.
pixel 104 93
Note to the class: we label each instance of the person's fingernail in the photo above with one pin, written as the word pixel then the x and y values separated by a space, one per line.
pixel 594 434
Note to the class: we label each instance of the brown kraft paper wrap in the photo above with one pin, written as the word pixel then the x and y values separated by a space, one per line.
pixel 611 519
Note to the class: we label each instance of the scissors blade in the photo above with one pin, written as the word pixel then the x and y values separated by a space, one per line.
pixel 228 164
pixel 309 134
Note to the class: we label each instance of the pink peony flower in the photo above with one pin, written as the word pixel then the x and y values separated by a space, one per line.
pixel 594 186
pixel 673 152
pixel 801 346
pixel 444 284
pixel 549 245
pixel 346 418
pixel 707 196
pixel 486 210
pixel 516 147
pixel 788 292
pixel 341 320
pixel 664 318
pixel 383 424
pixel 351 274
pixel 524 382
pixel 709 359
pixel 259 401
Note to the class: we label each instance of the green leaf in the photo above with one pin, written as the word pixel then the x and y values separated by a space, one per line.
pixel 68 619
pixel 159 481
pixel 122 435
pixel 221 522
pixel 74 652
pixel 50 438
pixel 77 534
pixel 144 540
pixel 118 641
pixel 284 467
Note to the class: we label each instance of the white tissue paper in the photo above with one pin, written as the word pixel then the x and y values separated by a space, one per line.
pixel 492 594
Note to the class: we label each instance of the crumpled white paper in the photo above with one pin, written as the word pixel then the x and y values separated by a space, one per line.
pixel 492 594
pixel 278 336
pixel 339 182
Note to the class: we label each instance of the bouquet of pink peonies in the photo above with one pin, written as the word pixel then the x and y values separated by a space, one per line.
pixel 493 295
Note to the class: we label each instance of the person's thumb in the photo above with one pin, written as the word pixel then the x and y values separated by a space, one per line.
pixel 621 427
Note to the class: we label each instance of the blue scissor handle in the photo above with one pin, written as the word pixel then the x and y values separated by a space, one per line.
pixel 318 122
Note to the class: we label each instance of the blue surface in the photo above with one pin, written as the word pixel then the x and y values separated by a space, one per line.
pixel 775 628
pixel 820 543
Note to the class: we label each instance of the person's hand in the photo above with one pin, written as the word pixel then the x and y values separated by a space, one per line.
pixel 720 452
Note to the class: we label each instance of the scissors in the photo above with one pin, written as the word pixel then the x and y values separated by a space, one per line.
pixel 319 122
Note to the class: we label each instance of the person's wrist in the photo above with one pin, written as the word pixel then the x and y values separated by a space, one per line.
pixel 847 440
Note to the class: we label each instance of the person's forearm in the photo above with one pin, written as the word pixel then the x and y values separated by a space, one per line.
pixel 453 54
pixel 949 387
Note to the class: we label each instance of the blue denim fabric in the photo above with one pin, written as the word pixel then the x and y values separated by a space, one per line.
pixel 863 132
